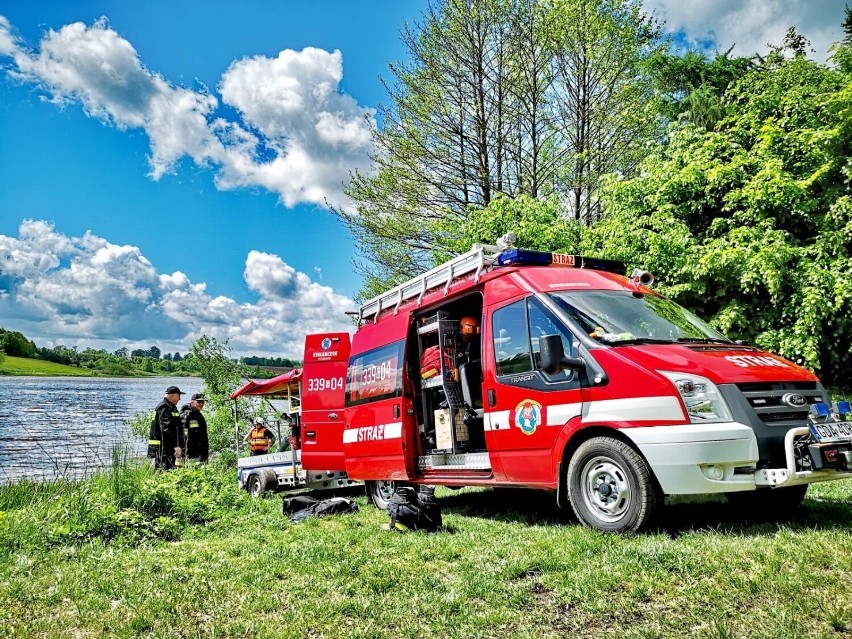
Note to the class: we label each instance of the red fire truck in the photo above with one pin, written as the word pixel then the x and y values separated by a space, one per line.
pixel 579 380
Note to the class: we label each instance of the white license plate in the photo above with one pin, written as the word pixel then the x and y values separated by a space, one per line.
pixel 830 432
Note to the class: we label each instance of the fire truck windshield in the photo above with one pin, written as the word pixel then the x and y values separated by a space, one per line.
pixel 622 317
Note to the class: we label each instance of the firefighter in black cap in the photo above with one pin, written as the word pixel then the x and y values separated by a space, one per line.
pixel 195 429
pixel 165 439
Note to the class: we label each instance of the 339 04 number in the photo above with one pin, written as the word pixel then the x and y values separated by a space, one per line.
pixel 325 383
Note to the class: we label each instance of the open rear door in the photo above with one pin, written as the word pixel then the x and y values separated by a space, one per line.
pixel 323 383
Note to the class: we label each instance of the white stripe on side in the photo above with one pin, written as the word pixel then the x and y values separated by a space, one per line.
pixel 634 409
pixel 373 433
pixel 559 414
pixel 497 420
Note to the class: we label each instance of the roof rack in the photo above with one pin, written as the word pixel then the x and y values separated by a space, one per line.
pixel 479 258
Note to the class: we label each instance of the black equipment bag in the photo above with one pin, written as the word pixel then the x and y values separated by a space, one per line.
pixel 414 510
pixel 302 507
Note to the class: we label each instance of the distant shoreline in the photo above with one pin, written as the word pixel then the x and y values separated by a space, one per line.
pixel 26 367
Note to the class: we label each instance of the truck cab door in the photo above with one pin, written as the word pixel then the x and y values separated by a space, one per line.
pixel 322 394
pixel 525 407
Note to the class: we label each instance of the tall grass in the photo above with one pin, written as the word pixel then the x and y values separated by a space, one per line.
pixel 507 565
pixel 126 502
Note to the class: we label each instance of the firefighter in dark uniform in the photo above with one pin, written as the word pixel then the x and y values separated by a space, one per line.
pixel 195 429
pixel 165 439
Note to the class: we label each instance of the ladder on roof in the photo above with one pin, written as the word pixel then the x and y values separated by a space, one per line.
pixel 479 258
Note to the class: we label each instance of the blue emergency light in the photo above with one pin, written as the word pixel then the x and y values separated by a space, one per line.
pixel 841 408
pixel 523 256
pixel 527 257
pixel 820 410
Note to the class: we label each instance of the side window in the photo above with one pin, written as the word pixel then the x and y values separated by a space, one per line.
pixel 511 339
pixel 543 322
pixel 375 375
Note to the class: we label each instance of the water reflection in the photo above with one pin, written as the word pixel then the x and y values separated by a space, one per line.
pixel 68 426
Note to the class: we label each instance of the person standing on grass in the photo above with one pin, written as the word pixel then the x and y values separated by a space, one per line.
pixel 195 429
pixel 165 439
pixel 259 438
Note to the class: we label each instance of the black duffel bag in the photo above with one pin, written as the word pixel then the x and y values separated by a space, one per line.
pixel 414 510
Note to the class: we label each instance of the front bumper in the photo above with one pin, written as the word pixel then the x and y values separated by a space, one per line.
pixel 692 459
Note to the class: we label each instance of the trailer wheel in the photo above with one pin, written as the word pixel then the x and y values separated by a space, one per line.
pixel 259 483
pixel 768 501
pixel 380 492
pixel 611 487
pixel 255 486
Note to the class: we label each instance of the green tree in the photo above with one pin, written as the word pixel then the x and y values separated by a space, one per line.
pixel 17 345
pixel 539 223
pixel 500 98
pixel 221 374
pixel 691 86
pixel 751 224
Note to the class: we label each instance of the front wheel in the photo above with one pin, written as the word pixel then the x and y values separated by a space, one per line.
pixel 380 492
pixel 611 487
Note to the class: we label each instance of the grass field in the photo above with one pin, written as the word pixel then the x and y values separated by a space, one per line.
pixel 506 566
pixel 23 366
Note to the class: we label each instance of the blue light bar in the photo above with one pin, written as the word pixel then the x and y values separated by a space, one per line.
pixel 820 409
pixel 841 408
pixel 523 256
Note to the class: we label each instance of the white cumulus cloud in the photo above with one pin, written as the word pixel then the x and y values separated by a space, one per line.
pixel 750 26
pixel 296 134
pixel 86 291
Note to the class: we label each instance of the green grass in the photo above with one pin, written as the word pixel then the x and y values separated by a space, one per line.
pixel 24 366
pixel 219 564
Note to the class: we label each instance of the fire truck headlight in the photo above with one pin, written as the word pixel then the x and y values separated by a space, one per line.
pixel 702 400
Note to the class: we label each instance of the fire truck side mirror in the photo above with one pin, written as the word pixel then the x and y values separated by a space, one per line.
pixel 553 357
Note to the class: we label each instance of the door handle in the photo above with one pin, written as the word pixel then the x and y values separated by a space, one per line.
pixel 492 398
pixel 332 415
pixel 396 411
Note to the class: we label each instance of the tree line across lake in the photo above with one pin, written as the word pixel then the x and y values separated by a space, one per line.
pixel 126 362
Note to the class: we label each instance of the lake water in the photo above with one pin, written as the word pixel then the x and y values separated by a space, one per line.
pixel 53 427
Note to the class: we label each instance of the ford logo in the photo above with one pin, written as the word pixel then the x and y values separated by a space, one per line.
pixel 794 400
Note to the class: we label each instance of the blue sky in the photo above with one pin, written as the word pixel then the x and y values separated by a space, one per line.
pixel 165 166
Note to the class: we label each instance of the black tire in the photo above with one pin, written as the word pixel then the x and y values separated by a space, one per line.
pixel 774 502
pixel 611 487
pixel 380 492
pixel 255 486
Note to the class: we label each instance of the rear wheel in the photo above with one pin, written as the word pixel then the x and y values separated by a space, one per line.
pixel 380 492
pixel 611 487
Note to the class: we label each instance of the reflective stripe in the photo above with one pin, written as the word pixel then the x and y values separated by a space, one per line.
pixel 634 409
pixel 371 433
pixel 193 424
pixel 153 442
pixel 175 414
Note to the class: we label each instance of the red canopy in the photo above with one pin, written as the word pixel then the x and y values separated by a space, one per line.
pixel 275 386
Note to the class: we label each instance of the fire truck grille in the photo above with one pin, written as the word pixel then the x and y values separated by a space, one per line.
pixel 776 402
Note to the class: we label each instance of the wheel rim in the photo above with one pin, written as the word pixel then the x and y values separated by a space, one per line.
pixel 254 486
pixel 384 489
pixel 606 488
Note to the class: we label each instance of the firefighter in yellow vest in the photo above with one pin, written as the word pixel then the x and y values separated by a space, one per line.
pixel 259 438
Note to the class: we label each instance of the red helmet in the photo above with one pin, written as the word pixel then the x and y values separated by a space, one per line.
pixel 469 325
